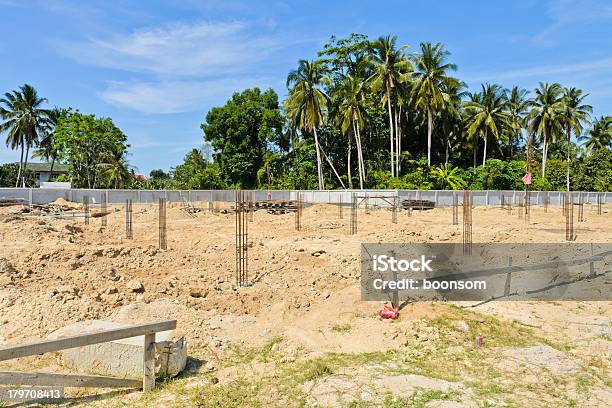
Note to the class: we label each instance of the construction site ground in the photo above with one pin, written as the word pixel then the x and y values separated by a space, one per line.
pixel 300 335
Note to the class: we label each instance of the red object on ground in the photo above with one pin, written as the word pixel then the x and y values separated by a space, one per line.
pixel 527 179
pixel 389 313
pixel 479 340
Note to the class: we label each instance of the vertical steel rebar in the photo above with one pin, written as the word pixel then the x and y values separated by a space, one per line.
pixel 467 222
pixel 455 208
pixel 580 207
pixel 394 209
pixel 527 204
pixel 163 244
pixel 599 203
pixel 103 207
pixel 353 224
pixel 242 239
pixel 86 209
pixel 298 211
pixel 129 233
pixel 569 218
pixel 340 206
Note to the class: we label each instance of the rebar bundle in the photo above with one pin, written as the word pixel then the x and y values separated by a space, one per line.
pixel 163 244
pixel 340 206
pixel 129 233
pixel 242 240
pixel 353 224
pixel 546 200
pixel 409 206
pixel 251 207
pixel 103 201
pixel 599 203
pixel 394 210
pixel 455 208
pixel 86 209
pixel 467 222
pixel 527 204
pixel 581 207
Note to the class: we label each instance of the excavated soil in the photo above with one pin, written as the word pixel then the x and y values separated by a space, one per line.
pixel 54 272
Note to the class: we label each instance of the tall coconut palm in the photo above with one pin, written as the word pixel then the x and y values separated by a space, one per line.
pixel 544 116
pixel 599 136
pixel 47 149
pixel 517 106
pixel 430 81
pixel 486 115
pixel 307 102
pixel 351 107
pixel 24 119
pixel 391 67
pixel 573 114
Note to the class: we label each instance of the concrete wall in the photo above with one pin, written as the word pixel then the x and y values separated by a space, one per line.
pixel 442 198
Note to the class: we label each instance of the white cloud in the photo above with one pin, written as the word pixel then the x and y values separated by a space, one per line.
pixel 545 71
pixel 180 49
pixel 176 96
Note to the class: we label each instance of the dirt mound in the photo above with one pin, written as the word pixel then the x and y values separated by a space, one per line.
pixel 61 202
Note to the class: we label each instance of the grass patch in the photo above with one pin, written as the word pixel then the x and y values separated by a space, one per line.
pixel 341 328
pixel 240 393
pixel 418 399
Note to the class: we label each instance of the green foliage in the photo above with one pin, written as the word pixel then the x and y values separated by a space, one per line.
pixel 196 174
pixel 240 132
pixel 496 175
pixel 94 149
pixel 8 175
pixel 594 172
pixel 446 177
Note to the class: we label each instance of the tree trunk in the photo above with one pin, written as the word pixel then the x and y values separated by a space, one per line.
pixel 398 141
pixel 569 133
pixel 484 154
pixel 319 166
pixel 391 133
pixel 20 166
pixel 545 153
pixel 360 159
pixel 474 151
pixel 25 165
pixel 52 165
pixel 348 160
pixel 429 126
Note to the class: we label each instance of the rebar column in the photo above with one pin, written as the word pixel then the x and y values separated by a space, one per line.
pixel 103 207
pixel 86 209
pixel 340 206
pixel 163 244
pixel 580 207
pixel 353 224
pixel 599 203
pixel 569 219
pixel 394 210
pixel 455 208
pixel 298 212
pixel 242 240
pixel 129 233
pixel 467 222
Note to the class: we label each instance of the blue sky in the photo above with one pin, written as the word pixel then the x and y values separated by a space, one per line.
pixel 157 67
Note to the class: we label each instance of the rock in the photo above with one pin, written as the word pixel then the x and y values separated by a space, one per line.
pixel 112 290
pixel 318 253
pixel 122 358
pixel 135 286
pixel 197 293
pixel 6 267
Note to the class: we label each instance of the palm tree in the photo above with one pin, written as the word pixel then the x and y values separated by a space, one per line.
pixel 599 136
pixel 391 68
pixel 307 103
pixel 430 81
pixel 116 168
pixel 448 177
pixel 573 114
pixel 517 107
pixel 351 118
pixel 47 149
pixel 486 115
pixel 24 121
pixel 544 116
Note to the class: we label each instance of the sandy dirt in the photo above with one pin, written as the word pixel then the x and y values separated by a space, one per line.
pixel 305 292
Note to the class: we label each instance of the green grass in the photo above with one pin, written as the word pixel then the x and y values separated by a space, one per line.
pixel 341 328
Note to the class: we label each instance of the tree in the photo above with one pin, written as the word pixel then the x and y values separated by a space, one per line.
pixel 430 82
pixel 350 94
pixel 391 69
pixel 599 136
pixel 307 102
pixel 544 116
pixel 517 106
pixel 240 132
pixel 24 119
pixel 573 113
pixel 197 174
pixel 83 142
pixel 486 115
pixel 47 149
pixel 446 177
